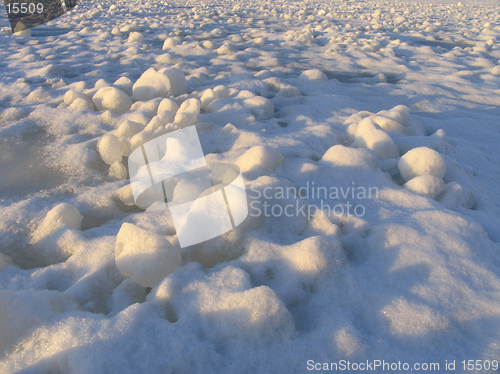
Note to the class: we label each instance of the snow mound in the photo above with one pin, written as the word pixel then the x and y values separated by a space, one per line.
pixel 159 120
pixel 421 161
pixel 313 75
pixel 369 135
pixel 171 42
pixel 410 319
pixel 72 95
pixel 162 83
pixel 261 107
pixel 270 205
pixel 221 91
pixel 207 97
pixel 111 98
pixel 144 256
pixel 256 314
pixel 425 185
pixel 457 196
pixel 18 317
pixel 260 158
pixel 110 149
pixel 187 114
pixel 400 114
pixel 61 215
pixel 149 108
pixel 124 84
pixel 80 104
pixel 339 155
pixel 388 124
pixel 135 37
pixel 117 170
pixel 168 104
pixel 128 128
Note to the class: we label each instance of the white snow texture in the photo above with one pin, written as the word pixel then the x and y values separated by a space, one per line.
pixel 367 134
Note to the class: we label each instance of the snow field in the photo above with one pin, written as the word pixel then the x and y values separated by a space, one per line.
pixel 401 99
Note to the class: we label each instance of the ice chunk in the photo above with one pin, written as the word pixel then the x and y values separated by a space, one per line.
pixel 221 91
pixel 163 83
pixel 496 70
pixel 71 96
pixel 425 185
pixel 357 117
pixel 116 31
pixel 61 215
pixel 149 108
pixel 139 117
pixel 166 116
pixel 388 124
pixel 421 161
pixel 314 75
pixel 338 155
pixel 260 158
pixel 39 95
pixel 171 42
pixel 208 44
pixel 414 127
pixel 187 114
pixel 400 114
pixel 124 84
pixel 168 104
pixel 82 104
pixel 139 139
pixel 113 99
pixel 128 128
pixel 207 97
pixel 261 107
pixel 135 37
pixel 369 136
pixel 110 149
pixel 457 196
pixel 117 170
pixel 160 120
pixel 126 195
pixel 190 106
pixel 143 256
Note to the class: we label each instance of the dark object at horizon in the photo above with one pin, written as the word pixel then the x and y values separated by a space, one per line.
pixel 26 14
pixel 70 4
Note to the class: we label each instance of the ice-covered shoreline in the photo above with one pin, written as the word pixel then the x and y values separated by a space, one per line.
pixel 401 98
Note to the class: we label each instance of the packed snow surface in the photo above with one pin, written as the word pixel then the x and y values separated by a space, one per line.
pixel 367 133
